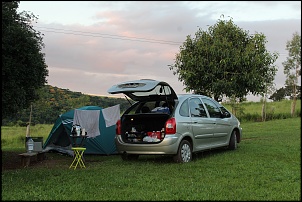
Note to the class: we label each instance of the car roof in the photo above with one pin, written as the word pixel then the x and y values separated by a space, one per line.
pixel 185 96
pixel 144 90
pixel 191 95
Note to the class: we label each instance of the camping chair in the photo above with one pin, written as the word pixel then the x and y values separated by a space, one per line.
pixel 78 150
pixel 78 157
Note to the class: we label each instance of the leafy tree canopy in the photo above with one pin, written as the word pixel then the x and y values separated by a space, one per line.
pixel 292 65
pixel 280 93
pixel 23 64
pixel 225 61
pixel 54 101
pixel 293 61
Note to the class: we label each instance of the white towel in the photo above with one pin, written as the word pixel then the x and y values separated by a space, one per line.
pixel 111 115
pixel 88 119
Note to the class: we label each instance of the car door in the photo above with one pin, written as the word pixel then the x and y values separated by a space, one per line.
pixel 222 127
pixel 203 128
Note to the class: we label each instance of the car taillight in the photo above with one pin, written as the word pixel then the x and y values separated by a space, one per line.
pixel 118 129
pixel 171 126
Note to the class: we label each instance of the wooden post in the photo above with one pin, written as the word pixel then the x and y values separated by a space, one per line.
pixel 28 126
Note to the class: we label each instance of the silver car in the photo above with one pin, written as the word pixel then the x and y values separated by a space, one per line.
pixel 159 122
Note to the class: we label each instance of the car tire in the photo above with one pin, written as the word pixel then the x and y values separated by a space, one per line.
pixel 184 153
pixel 129 157
pixel 233 141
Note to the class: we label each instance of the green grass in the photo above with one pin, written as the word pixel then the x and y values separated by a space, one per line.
pixel 14 136
pixel 252 111
pixel 266 166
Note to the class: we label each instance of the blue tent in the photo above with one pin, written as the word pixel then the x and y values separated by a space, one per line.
pixel 60 139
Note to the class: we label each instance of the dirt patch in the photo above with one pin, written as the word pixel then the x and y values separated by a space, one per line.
pixel 12 161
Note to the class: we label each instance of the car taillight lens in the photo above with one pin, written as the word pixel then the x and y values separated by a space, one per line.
pixel 171 126
pixel 118 129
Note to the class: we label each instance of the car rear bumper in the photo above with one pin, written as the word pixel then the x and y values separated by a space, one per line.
pixel 168 146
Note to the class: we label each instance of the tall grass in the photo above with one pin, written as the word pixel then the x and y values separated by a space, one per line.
pixel 14 136
pixel 265 167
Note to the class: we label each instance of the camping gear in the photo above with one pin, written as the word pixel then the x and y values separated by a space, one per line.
pixel 30 145
pixel 76 142
pixel 38 143
pixel 100 139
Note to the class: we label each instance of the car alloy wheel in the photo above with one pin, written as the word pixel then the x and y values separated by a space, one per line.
pixel 184 153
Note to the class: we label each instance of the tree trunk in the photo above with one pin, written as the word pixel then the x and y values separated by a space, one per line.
pixel 294 100
pixel 295 94
pixel 264 110
pixel 294 106
pixel 28 126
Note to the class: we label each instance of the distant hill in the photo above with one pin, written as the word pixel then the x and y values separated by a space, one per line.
pixel 54 101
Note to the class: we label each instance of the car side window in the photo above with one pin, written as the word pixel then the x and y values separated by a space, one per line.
pixel 184 109
pixel 197 108
pixel 212 108
pixel 225 112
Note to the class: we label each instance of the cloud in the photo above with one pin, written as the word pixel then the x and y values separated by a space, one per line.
pixel 93 45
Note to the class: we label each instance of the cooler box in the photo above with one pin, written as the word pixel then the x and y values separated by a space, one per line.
pixel 38 143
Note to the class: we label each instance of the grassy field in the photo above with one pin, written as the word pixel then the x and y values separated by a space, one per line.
pixel 266 166
pixel 13 137
pixel 252 111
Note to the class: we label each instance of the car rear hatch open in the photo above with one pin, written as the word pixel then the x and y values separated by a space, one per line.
pixel 138 128
pixel 144 90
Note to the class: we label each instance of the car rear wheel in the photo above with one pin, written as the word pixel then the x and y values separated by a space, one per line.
pixel 129 157
pixel 233 141
pixel 184 153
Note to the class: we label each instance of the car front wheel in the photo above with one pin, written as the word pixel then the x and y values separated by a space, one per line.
pixel 184 153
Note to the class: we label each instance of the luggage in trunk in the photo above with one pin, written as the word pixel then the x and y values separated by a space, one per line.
pixel 144 128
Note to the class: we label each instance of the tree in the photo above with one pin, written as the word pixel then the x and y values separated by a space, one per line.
pixel 225 61
pixel 279 94
pixel 292 66
pixel 23 65
pixel 270 87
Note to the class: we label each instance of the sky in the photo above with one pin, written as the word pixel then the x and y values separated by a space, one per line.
pixel 92 45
